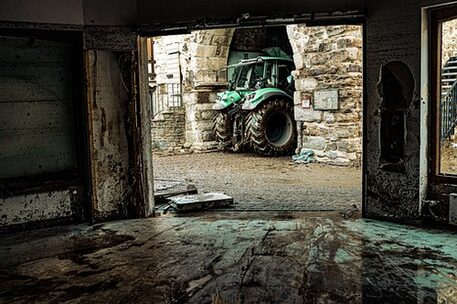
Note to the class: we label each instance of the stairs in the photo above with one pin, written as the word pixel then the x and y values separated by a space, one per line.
pixel 448 75
pixel 449 99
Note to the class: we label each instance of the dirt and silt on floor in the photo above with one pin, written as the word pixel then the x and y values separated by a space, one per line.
pixel 236 256
pixel 262 183
pixel 230 257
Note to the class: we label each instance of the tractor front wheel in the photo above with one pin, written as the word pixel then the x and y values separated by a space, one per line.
pixel 270 128
pixel 223 129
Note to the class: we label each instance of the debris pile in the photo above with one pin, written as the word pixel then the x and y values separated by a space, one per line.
pixel 305 156
pixel 190 200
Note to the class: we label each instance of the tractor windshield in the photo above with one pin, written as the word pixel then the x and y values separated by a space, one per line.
pixel 251 76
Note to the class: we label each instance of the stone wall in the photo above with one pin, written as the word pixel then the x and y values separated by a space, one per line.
pixel 168 131
pixel 329 58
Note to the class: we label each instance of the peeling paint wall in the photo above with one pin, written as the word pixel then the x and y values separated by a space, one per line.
pixel 108 95
pixel 54 206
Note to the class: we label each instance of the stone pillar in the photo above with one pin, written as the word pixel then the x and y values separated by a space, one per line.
pixel 199 119
pixel 204 60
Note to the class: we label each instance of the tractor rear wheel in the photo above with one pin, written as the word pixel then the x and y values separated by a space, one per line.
pixel 223 129
pixel 270 128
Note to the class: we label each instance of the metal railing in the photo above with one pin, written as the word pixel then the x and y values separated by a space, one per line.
pixel 164 97
pixel 449 113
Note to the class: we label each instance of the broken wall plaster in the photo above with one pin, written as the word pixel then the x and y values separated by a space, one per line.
pixel 37 207
pixel 109 144
pixel 391 36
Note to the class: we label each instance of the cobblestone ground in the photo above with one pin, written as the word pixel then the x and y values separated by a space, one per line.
pixel 261 183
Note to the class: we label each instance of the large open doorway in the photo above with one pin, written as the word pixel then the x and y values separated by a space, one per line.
pixel 197 81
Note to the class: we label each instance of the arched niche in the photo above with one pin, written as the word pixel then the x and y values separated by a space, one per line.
pixel 396 88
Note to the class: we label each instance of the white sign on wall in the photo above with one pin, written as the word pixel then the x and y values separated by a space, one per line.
pixel 326 100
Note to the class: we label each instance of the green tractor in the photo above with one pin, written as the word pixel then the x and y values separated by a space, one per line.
pixel 257 110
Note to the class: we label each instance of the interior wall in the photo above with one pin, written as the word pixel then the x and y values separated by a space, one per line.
pixel 70 12
pixel 40 169
pixel 36 107
pixel 392 35
pixel 108 99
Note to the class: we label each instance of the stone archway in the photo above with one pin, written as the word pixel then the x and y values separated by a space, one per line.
pixel 326 57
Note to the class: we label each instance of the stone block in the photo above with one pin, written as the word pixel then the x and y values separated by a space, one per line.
pixel 344 132
pixel 221 40
pixel 208 115
pixel 297 98
pixel 201 107
pixel 315 129
pixel 352 156
pixel 307 84
pixel 354 53
pixel 314 142
pixel 332 155
pixel 350 145
pixel 299 61
pixel 331 146
pixel 348 117
pixel 329 117
pixel 205 76
pixel 203 51
pixel 307 115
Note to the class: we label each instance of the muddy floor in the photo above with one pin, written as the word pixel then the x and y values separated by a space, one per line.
pixel 230 258
pixel 262 183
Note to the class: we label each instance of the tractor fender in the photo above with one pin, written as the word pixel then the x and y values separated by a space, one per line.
pixel 256 98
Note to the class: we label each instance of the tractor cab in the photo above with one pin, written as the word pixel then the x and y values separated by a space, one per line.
pixel 258 85
pixel 262 72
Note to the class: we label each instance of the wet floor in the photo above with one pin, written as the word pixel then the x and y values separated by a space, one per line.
pixel 230 258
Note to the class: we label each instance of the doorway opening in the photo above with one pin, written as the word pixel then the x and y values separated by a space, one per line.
pixel 271 116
